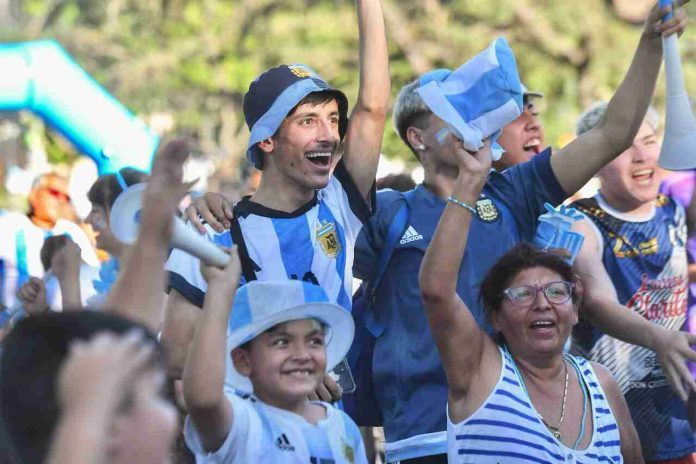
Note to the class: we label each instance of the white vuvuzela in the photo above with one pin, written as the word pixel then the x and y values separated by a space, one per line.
pixel 679 145
pixel 125 224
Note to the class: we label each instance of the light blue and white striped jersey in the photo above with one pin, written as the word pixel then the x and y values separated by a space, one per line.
pixel 20 251
pixel 261 433
pixel 314 243
pixel 507 428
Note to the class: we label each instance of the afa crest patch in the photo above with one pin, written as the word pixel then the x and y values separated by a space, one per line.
pixel 348 453
pixel 487 210
pixel 327 236
pixel 299 71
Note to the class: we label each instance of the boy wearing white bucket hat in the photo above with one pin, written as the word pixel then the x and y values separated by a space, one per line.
pixel 282 336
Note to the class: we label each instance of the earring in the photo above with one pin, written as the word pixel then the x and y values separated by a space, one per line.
pixel 420 147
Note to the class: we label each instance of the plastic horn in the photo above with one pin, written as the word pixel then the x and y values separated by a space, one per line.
pixel 125 224
pixel 679 145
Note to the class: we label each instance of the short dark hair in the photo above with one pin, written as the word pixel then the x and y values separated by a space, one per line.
pixel 106 188
pixel 280 326
pixel 522 256
pixel 50 247
pixel 32 355
pixel 314 99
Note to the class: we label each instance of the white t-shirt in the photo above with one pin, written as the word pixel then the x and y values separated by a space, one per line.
pixel 264 434
pixel 20 250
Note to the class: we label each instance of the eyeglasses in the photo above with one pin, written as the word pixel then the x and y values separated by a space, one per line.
pixel 58 194
pixel 555 292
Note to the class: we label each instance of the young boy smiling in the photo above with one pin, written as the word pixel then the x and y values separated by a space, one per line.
pixel 283 336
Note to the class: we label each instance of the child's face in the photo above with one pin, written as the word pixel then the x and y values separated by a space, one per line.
pixel 98 218
pixel 285 363
pixel 146 430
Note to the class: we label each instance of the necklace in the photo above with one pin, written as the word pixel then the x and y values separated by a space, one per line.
pixel 555 431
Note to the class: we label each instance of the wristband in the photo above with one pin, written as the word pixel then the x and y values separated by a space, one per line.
pixel 463 205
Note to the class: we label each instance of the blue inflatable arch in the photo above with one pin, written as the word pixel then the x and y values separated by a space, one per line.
pixel 40 76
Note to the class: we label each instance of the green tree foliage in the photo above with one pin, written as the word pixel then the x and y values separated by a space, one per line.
pixel 194 59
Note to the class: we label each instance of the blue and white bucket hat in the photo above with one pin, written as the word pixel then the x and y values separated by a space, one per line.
pixel 274 93
pixel 477 99
pixel 260 305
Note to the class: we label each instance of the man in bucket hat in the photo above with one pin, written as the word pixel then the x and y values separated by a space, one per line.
pixel 282 336
pixel 303 220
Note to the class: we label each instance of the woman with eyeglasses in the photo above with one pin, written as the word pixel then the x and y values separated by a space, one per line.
pixel 516 397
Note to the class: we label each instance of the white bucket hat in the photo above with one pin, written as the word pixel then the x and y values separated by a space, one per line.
pixel 260 305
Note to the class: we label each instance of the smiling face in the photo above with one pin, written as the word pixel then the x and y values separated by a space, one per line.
pixel 632 180
pixel 542 327
pixel 285 363
pixel 522 139
pixel 301 153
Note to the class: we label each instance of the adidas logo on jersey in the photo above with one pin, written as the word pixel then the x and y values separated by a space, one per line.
pixel 283 443
pixel 410 236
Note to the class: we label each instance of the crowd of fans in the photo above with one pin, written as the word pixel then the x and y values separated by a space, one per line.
pixel 476 335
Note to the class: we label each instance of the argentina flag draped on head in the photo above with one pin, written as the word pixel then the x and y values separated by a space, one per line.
pixel 478 98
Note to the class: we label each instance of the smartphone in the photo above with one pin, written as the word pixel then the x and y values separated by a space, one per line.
pixel 343 377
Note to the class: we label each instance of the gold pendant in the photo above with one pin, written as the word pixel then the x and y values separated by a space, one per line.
pixel 557 435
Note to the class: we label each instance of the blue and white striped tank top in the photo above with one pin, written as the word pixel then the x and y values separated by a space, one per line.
pixel 506 429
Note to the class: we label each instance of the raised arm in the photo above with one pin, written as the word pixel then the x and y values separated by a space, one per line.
pixel 575 164
pixel 602 308
pixel 65 264
pixel 459 339
pixel 366 127
pixel 204 371
pixel 138 293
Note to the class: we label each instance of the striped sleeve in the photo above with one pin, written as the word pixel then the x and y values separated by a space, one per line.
pixel 184 271
pixel 343 191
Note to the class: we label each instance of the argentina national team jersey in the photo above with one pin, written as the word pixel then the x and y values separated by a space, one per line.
pixel 314 243
pixel 263 434
pixel 646 261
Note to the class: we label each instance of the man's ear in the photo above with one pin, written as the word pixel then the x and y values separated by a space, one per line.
pixel 266 145
pixel 415 138
pixel 241 361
